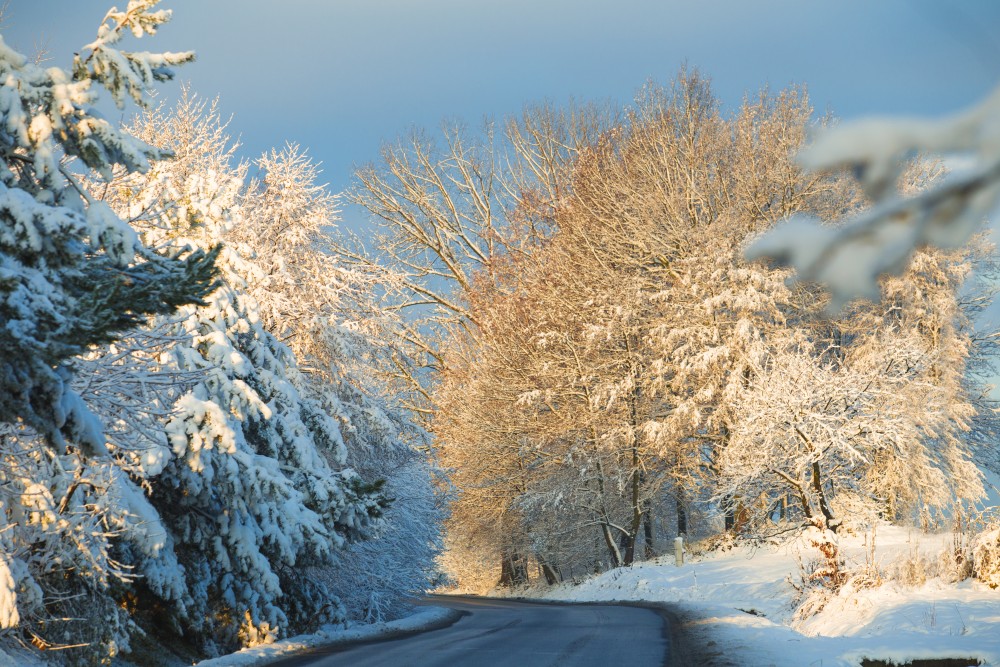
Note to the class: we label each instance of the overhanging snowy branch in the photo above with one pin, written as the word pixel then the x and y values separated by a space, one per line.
pixel 849 259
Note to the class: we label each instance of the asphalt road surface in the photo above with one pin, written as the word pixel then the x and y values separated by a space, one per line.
pixel 518 634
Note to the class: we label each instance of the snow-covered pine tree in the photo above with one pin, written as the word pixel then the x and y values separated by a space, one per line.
pixel 244 489
pixel 330 315
pixel 72 273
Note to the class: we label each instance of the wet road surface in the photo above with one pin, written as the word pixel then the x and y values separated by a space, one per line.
pixel 514 634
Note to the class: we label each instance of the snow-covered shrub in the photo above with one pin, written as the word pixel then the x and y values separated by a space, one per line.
pixel 857 513
pixel 870 573
pixel 810 599
pixel 955 562
pixel 819 578
pixel 986 555
pixel 912 568
pixel 865 577
pixel 723 541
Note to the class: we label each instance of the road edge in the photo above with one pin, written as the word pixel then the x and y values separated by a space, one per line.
pixel 679 653
pixel 289 652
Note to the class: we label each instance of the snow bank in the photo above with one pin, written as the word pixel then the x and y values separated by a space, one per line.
pixel 427 618
pixel 740 604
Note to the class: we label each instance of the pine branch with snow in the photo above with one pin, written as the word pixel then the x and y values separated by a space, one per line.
pixel 72 273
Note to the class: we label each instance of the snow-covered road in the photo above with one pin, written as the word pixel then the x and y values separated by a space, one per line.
pixel 519 634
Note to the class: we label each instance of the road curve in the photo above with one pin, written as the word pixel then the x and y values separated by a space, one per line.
pixel 502 633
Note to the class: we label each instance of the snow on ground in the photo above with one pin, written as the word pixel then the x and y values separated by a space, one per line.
pixel 426 618
pixel 740 604
pixel 13 657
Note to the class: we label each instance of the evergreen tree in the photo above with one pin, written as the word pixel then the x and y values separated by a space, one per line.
pixel 252 485
pixel 72 273
pixel 331 315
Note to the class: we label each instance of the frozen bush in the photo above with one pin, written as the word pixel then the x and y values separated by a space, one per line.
pixel 913 568
pixel 986 555
pixel 955 561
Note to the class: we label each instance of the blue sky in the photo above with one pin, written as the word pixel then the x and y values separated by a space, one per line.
pixel 341 76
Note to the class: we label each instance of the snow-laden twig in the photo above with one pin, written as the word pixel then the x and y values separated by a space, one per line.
pixel 849 259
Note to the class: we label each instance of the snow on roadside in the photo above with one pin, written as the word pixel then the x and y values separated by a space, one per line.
pixel 739 604
pixel 13 657
pixel 426 618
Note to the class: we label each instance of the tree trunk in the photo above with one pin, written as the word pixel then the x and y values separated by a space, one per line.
pixel 551 573
pixel 824 507
pixel 637 478
pixel 609 539
pixel 513 570
pixel 633 533
pixel 728 517
pixel 649 550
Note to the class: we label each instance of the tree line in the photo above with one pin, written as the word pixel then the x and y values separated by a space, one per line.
pixel 223 421
pixel 602 367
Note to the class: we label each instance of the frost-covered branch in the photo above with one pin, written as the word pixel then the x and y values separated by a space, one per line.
pixel 849 259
